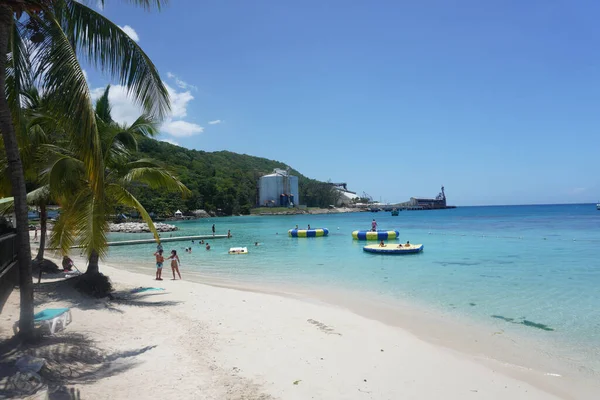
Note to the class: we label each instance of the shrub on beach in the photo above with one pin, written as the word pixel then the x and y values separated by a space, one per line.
pixel 46 266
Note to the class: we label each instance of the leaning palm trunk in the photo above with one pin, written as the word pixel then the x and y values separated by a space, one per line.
pixel 18 183
pixel 43 229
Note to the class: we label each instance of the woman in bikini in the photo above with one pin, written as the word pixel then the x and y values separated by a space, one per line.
pixel 175 263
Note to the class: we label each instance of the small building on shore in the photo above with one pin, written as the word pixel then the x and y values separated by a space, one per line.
pixel 278 189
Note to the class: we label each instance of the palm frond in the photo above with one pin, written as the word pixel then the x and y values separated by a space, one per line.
pixel 6 205
pixel 155 177
pixel 18 73
pixel 125 198
pixel 65 175
pixel 145 125
pixel 39 195
pixel 103 107
pixel 104 44
pixel 63 77
pixel 35 197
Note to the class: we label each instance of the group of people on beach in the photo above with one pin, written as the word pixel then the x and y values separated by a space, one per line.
pixel 160 259
pixel 175 262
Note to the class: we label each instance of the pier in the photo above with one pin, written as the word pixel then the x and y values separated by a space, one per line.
pixel 162 240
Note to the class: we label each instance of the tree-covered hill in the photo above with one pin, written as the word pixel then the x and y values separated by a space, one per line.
pixel 219 180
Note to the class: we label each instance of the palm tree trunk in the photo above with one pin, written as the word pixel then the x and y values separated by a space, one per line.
pixel 18 183
pixel 93 264
pixel 43 228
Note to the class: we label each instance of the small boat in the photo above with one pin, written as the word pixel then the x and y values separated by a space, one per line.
pixel 598 206
pixel 394 248
pixel 395 212
pixel 238 250
pixel 318 232
pixel 375 235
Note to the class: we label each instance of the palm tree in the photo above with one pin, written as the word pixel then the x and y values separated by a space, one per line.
pixel 57 31
pixel 39 128
pixel 73 188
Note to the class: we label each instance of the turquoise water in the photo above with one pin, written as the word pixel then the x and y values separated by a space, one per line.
pixel 531 269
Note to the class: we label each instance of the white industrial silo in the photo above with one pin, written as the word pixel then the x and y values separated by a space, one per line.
pixel 279 189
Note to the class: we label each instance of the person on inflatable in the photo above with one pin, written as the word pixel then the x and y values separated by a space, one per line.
pixel 374 225
pixel 382 244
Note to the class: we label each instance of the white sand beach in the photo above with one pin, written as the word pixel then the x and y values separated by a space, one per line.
pixel 196 341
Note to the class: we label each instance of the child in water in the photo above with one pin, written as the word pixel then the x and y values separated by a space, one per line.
pixel 175 263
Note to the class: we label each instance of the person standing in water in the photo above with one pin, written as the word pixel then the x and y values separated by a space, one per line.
pixel 159 264
pixel 374 225
pixel 175 263
pixel 213 229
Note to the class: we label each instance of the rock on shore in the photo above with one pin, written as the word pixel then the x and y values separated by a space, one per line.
pixel 139 227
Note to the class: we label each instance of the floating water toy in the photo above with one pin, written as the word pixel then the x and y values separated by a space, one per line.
pixel 394 248
pixel 375 235
pixel 308 232
pixel 238 250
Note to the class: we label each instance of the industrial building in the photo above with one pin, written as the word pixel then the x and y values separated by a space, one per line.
pixel 427 203
pixel 279 189
pixel 345 196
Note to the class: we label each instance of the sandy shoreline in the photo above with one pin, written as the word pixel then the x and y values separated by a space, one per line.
pixel 199 341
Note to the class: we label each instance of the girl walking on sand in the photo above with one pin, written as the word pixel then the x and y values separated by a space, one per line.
pixel 174 263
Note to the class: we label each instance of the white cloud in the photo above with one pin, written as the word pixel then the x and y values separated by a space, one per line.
pixel 181 128
pixel 169 141
pixel 180 83
pixel 179 101
pixel 125 111
pixel 215 122
pixel 130 32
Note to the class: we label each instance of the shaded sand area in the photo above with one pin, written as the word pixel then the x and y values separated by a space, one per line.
pixel 195 341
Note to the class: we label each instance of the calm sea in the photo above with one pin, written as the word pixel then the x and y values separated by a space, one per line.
pixel 531 269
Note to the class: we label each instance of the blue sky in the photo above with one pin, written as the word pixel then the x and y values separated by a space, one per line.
pixel 498 101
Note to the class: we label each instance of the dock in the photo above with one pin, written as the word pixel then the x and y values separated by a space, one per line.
pixel 162 240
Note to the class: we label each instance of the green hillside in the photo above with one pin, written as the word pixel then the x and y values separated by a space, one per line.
pixel 219 180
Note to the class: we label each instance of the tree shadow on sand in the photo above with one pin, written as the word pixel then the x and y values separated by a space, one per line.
pixel 69 359
pixel 64 292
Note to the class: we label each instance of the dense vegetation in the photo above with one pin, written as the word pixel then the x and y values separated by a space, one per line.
pixel 222 181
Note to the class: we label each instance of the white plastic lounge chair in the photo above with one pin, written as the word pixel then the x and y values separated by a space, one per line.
pixel 51 319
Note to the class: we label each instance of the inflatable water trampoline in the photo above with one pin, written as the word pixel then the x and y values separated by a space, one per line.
pixel 394 248
pixel 238 250
pixel 375 235
pixel 308 232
